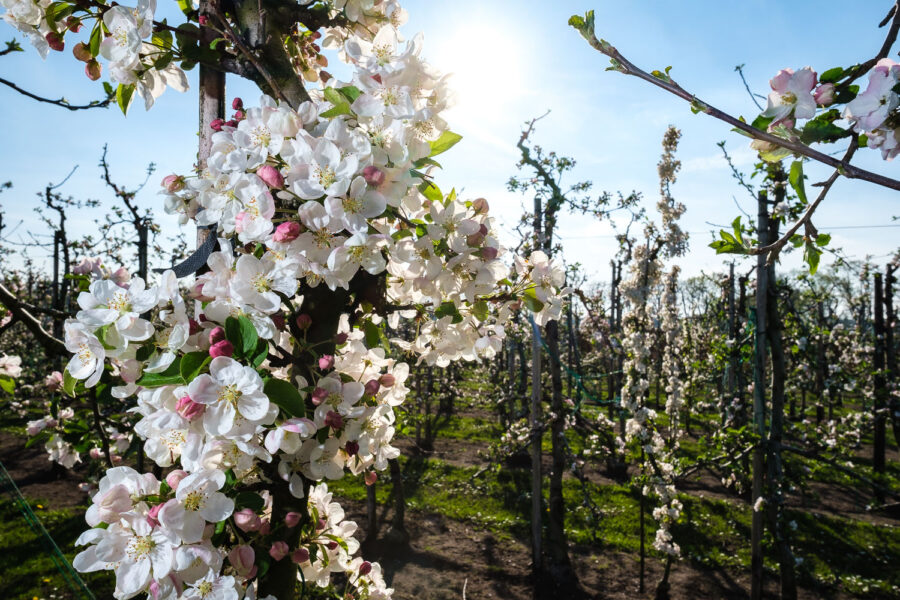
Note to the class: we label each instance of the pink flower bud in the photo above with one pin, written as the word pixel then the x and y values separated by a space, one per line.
pixel 152 516
pixel 82 52
pixel 265 528
pixel 239 116
pixel 217 124
pixel 824 94
pixel 304 321
pixel 480 206
pixel 278 321
pixel 73 24
pixel 115 458
pixel 237 104
pixel 387 380
pixel 271 176
pixel 54 381
pixel 365 568
pixel 300 556
pixel 278 550
pixel 372 386
pixel 242 559
pixel 232 123
pixel 216 334
pixel 292 519
pixel 373 176
pixel 286 232
pixel 173 183
pixel 189 409
pixel 120 276
pixel 340 338
pixel 95 453
pixel 203 19
pixel 174 478
pixel 320 524
pixel 93 70
pixel 223 348
pixel 351 448
pixel 475 239
pixel 247 520
pixel 332 545
pixel 371 477
pixel 326 362
pixel 193 327
pixel 55 41
pixel 334 420
pixel 319 395
pixel 488 253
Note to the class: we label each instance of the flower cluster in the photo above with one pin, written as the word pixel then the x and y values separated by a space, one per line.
pixel 237 388
pixel 874 112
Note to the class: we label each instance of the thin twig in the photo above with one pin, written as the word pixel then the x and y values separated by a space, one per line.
pixel 62 101
pixel 805 220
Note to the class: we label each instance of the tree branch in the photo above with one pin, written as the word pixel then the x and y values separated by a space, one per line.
pixel 12 303
pixel 62 101
pixel 662 80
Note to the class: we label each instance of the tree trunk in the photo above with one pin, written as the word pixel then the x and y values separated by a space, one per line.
pixel 560 567
pixel 397 534
pixel 878 445
pixel 537 494
pixel 775 504
pixel 759 401
pixel 891 351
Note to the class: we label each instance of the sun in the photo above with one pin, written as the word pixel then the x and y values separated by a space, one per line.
pixel 487 65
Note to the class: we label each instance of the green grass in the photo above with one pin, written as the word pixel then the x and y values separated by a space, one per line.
pixel 26 568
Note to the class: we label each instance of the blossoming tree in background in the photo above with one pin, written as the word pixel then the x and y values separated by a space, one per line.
pixel 268 376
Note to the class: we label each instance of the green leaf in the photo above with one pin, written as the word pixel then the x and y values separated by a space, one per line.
pixel 7 384
pixel 447 140
pixel 96 37
pixel 350 92
pixel 69 383
pixel 259 353
pixel 584 25
pixel 186 7
pixel 480 310
pixel 448 309
pixel 795 178
pixel 823 239
pixel 286 396
pixel 171 376
pixel 145 352
pixel 531 301
pixel 811 255
pixel 124 95
pixel 372 334
pixel 831 75
pixel 343 109
pixel 242 335
pixel 761 122
pixel 341 106
pixel 250 500
pixel 431 191
pixel 422 162
pixel 192 364
pixel 822 128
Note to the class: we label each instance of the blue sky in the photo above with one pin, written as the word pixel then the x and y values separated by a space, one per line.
pixel 513 60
